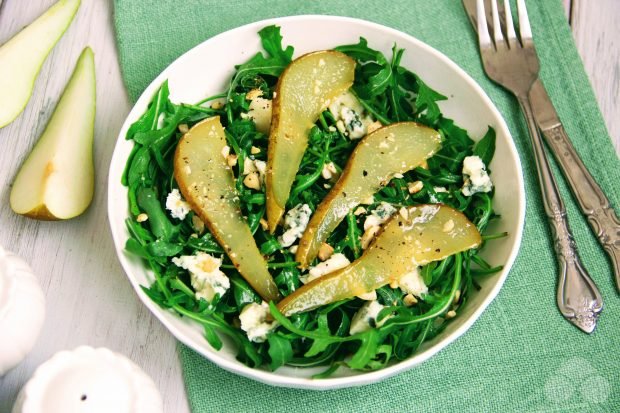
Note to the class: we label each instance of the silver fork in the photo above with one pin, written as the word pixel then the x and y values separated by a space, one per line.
pixel 512 62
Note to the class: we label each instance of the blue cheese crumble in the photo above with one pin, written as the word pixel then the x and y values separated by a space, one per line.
pixel 366 317
pixel 350 116
pixel 205 274
pixel 254 321
pixel 476 179
pixel 295 223
pixel 176 205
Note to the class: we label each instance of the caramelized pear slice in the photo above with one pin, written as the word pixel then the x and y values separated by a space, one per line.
pixel 390 150
pixel 303 92
pixel 414 236
pixel 207 184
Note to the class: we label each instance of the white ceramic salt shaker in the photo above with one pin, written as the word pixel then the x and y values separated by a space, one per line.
pixel 22 310
pixel 89 380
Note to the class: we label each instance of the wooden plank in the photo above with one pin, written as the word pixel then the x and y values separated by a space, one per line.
pixel 597 35
pixel 89 299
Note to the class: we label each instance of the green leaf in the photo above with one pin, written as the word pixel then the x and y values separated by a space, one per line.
pixel 212 338
pixel 280 350
pixel 242 292
pixel 485 148
pixel 158 221
pixel 367 350
pixel 426 100
pixel 161 248
pixel 271 40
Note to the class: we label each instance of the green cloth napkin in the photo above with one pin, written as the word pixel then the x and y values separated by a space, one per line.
pixel 520 355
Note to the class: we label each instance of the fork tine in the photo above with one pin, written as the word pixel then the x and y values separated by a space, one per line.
pixel 510 28
pixel 524 23
pixel 484 40
pixel 497 28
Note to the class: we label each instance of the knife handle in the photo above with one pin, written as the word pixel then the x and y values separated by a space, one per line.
pixel 591 199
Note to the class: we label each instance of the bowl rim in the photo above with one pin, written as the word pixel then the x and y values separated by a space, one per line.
pixel 273 378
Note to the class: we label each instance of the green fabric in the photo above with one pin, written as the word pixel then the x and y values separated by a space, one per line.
pixel 520 355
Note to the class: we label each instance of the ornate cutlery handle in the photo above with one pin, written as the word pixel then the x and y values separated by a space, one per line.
pixel 578 298
pixel 588 194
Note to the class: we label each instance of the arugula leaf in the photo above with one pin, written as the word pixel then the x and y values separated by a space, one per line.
pixel 159 223
pixel 426 102
pixel 485 148
pixel 280 351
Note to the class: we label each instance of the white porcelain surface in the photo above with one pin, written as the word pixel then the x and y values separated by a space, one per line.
pixel 22 310
pixel 89 380
pixel 206 70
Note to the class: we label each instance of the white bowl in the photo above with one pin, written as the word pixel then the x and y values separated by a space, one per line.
pixel 206 69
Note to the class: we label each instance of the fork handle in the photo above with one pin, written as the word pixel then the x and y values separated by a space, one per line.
pixel 578 298
pixel 591 199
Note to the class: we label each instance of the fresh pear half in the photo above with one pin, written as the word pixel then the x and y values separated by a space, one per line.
pixel 22 56
pixel 57 179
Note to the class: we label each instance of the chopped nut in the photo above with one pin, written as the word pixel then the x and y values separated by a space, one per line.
pixel 231 160
pixel 368 200
pixel 252 181
pixel 254 150
pixel 325 251
pixel 359 210
pixel 253 94
pixel 329 170
pixel 369 235
pixel 410 300
pixel 374 126
pixel 394 284
pixel 248 166
pixel 369 296
pixel 225 151
pixel 198 224
pixel 457 296
pixel 142 217
pixel 404 212
pixel 183 128
pixel 448 226
pixel 217 105
pixel 415 187
pixel 450 314
pixel 399 176
pixel 263 224
pixel 293 249
pixel 424 165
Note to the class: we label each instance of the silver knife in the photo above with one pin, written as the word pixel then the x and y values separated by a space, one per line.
pixel 590 198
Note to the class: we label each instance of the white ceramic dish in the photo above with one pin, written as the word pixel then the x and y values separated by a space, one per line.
pixel 206 69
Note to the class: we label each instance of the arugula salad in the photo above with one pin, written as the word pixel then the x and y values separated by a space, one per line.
pixel 321 211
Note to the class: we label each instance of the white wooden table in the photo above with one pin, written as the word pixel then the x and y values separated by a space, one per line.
pixel 89 300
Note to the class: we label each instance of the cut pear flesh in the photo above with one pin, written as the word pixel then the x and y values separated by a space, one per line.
pixel 22 56
pixel 57 179
pixel 207 184
pixel 304 90
pixel 390 150
pixel 414 236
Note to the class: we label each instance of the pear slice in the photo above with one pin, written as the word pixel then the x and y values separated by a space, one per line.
pixel 390 150
pixel 303 92
pixel 57 179
pixel 207 184
pixel 415 236
pixel 22 56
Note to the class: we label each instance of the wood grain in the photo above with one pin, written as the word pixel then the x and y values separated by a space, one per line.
pixel 597 35
pixel 89 299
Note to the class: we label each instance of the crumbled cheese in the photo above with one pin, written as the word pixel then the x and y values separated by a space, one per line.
pixel 295 223
pixel 254 321
pixel 366 317
pixel 205 274
pixel 176 205
pixel 379 215
pixel 440 189
pixel 351 119
pixel 412 283
pixel 261 168
pixel 260 113
pixel 335 262
pixel 329 170
pixel 476 178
